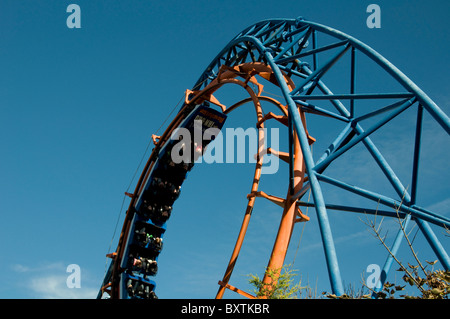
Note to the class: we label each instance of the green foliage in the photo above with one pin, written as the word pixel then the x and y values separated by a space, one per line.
pixel 434 284
pixel 280 285
pixel 431 284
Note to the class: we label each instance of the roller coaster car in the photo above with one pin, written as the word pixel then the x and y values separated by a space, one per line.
pixel 164 184
pixel 161 192
pixel 171 171
pixel 139 288
pixel 158 199
pixel 142 261
pixel 158 213
pixel 164 191
pixel 144 266
pixel 148 236
pixel 189 147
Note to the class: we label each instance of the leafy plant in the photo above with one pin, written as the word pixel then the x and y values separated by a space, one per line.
pixel 279 286
pixel 432 284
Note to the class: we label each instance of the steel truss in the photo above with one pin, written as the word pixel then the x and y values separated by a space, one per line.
pixel 289 54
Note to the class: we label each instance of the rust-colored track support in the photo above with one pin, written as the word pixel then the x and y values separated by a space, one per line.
pixel 287 222
pixel 291 213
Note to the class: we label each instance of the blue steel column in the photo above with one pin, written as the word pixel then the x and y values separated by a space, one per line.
pixel 324 225
pixel 394 250
pixel 434 243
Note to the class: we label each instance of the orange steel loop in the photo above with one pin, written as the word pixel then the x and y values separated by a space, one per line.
pixel 291 214
pixel 248 71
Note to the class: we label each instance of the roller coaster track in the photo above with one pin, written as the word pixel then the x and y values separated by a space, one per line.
pixel 290 54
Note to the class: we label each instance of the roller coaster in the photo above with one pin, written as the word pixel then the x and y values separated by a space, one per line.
pixel 294 56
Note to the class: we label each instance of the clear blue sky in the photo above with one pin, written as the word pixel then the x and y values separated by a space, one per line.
pixel 78 107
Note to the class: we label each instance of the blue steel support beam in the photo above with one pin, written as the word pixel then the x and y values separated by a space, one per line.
pixel 324 225
pixel 379 111
pixel 386 168
pixel 437 220
pixel 427 212
pixel 394 249
pixel 307 53
pixel 337 143
pixel 318 110
pixel 415 172
pixel 361 210
pixel 294 42
pixel 291 152
pixel 315 76
pixel 314 42
pixel 360 137
pixel 373 150
pixel 401 232
pixel 352 80
pixel 352 97
pixel 434 243
pixel 401 78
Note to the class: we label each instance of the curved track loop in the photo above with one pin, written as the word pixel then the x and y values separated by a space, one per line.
pixel 291 55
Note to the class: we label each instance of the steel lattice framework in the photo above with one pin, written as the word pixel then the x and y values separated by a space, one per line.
pixel 290 54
